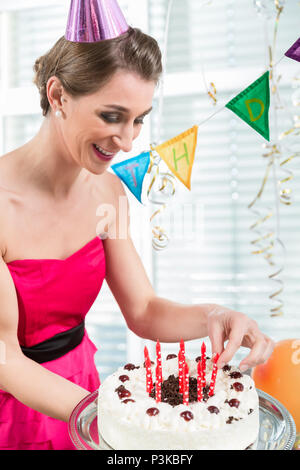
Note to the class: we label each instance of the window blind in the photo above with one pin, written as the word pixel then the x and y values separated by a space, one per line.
pixel 225 40
pixel 216 264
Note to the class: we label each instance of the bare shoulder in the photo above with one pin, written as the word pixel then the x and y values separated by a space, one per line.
pixel 5 212
pixel 115 184
pixel 114 189
pixel 10 198
pixel 118 210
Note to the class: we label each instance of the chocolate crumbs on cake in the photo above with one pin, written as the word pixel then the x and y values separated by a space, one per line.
pixel 170 391
pixel 230 419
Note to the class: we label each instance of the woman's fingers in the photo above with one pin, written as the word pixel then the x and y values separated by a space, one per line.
pixel 240 330
pixel 216 336
pixel 236 336
pixel 260 352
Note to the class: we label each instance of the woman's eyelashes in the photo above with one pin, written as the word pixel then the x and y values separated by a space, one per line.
pixel 112 118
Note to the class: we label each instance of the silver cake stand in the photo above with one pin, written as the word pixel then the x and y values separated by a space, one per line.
pixel 277 428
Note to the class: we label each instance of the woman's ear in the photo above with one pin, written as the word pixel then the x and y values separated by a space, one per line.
pixel 55 93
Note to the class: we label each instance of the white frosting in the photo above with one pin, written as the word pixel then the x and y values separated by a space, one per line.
pixel 128 426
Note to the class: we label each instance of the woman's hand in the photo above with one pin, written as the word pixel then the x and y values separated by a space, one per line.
pixel 224 324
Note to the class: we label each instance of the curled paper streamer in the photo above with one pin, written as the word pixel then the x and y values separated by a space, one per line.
pixel 294 131
pixel 277 309
pixel 161 189
pixel 268 8
pixel 291 141
pixel 160 239
pixel 266 239
pixel 285 193
pixel 263 243
pixel 213 92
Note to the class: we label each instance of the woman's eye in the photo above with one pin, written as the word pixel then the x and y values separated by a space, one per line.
pixel 139 121
pixel 115 118
pixel 112 118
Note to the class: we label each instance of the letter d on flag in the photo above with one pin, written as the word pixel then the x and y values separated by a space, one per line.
pixel 252 105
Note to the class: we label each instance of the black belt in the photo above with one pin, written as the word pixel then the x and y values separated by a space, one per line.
pixel 57 346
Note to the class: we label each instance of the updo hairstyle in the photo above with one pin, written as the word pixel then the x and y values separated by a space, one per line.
pixel 83 68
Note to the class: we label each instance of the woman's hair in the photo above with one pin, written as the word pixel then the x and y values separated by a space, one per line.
pixel 83 68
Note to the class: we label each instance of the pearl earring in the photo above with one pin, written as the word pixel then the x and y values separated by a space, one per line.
pixel 58 114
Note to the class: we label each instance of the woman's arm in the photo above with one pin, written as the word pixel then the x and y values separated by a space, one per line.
pixel 153 317
pixel 27 381
pixel 176 321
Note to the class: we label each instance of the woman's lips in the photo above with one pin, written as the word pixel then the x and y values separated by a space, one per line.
pixel 103 157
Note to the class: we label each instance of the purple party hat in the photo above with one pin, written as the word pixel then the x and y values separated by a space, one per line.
pixel 95 20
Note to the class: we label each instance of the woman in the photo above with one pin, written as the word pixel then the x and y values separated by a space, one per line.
pixel 94 98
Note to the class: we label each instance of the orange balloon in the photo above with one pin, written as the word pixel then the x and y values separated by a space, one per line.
pixel 280 376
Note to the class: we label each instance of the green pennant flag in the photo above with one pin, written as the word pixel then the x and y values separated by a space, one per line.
pixel 252 105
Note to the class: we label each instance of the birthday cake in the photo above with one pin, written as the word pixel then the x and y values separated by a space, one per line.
pixel 218 410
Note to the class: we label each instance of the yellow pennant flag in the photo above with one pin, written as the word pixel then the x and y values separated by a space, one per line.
pixel 179 153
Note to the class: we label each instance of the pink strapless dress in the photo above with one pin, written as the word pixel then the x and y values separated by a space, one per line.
pixel 53 296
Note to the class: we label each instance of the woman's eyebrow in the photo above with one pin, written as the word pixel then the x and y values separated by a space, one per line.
pixel 125 110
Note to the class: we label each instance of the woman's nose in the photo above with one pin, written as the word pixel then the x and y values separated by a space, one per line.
pixel 124 139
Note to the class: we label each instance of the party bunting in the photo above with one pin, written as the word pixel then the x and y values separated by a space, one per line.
pixel 132 172
pixel 179 153
pixel 294 51
pixel 252 105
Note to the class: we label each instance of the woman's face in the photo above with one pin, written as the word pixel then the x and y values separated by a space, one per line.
pixel 96 127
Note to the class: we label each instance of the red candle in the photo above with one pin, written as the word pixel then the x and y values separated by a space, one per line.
pixel 213 376
pixel 149 382
pixel 182 376
pixel 199 382
pixel 182 348
pixel 186 385
pixel 158 354
pixel 158 384
pixel 158 373
pixel 180 370
pixel 203 365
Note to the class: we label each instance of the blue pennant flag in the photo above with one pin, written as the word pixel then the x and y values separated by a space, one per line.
pixel 132 172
